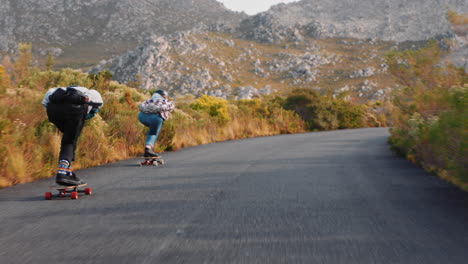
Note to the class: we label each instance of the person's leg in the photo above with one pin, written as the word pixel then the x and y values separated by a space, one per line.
pixel 73 126
pixel 144 118
pixel 59 116
pixel 79 128
pixel 67 151
pixel 69 120
pixel 154 123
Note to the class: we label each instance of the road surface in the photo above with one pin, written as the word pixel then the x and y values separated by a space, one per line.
pixel 327 197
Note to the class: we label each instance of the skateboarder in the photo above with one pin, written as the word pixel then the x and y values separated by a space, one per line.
pixel 154 112
pixel 68 108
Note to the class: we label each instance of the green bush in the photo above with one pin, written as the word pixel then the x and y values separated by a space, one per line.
pixel 323 112
pixel 430 116
pixel 214 106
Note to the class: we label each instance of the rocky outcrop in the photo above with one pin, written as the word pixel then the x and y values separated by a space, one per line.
pixel 241 92
pixel 197 62
pixel 394 20
pixel 459 54
pixel 157 68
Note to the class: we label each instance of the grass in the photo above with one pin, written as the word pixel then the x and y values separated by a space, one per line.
pixel 29 144
pixel 429 116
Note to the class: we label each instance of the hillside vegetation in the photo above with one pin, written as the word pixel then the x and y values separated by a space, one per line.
pixel 430 117
pixel 29 144
pixel 219 64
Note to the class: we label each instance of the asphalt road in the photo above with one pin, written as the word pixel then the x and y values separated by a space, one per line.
pixel 328 197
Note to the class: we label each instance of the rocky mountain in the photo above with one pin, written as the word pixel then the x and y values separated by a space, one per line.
pixel 199 47
pixel 335 46
pixel 390 20
pixel 64 23
pixel 194 63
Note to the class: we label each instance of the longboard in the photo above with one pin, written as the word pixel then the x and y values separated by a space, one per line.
pixel 64 190
pixel 152 161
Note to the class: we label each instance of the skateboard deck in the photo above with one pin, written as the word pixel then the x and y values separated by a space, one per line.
pixel 152 161
pixel 64 190
pixel 60 187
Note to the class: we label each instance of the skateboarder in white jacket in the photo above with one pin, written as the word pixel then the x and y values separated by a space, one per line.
pixel 154 112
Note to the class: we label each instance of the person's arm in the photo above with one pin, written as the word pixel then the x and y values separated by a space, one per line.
pixel 171 106
pixel 75 96
pixel 165 105
pixel 46 100
pixel 92 113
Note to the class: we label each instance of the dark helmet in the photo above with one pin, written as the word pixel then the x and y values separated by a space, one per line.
pixel 162 92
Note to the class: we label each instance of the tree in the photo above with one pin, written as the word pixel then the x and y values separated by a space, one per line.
pixel 137 83
pixel 22 64
pixel 50 61
pixel 4 79
pixel 101 80
pixel 316 110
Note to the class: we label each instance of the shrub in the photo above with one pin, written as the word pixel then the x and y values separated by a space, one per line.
pixel 429 117
pixel 214 106
pixel 4 80
pixel 324 113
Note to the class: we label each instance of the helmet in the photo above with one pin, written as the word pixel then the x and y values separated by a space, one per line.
pixel 162 92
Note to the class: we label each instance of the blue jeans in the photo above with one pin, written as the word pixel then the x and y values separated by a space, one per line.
pixel 154 122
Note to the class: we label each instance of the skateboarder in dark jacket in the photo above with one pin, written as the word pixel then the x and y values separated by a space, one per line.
pixel 68 108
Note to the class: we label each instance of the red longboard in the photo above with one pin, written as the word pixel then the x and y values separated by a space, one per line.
pixel 63 191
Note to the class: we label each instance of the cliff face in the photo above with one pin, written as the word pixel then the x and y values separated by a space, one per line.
pixel 70 22
pixel 391 20
pixel 197 62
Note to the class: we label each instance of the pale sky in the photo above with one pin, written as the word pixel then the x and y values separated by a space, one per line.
pixel 252 7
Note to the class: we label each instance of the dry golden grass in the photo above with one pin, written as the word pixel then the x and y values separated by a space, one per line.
pixel 457 19
pixel 29 144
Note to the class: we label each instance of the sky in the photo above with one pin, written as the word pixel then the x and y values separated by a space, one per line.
pixel 252 7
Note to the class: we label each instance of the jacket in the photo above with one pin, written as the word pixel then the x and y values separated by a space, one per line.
pixel 74 95
pixel 163 106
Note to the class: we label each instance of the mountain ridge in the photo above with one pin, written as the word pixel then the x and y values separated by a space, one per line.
pixel 62 23
pixel 395 20
pixel 277 49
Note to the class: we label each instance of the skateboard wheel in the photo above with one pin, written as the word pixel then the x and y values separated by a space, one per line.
pixel 74 195
pixel 88 191
pixel 48 195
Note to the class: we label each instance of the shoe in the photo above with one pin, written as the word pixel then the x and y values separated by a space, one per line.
pixel 149 153
pixel 68 179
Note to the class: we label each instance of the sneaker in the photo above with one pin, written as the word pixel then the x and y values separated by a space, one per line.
pixel 68 179
pixel 149 153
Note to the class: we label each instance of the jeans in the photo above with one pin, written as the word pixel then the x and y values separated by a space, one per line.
pixel 154 122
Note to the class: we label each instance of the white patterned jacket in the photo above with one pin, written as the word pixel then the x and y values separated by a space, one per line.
pixel 157 105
